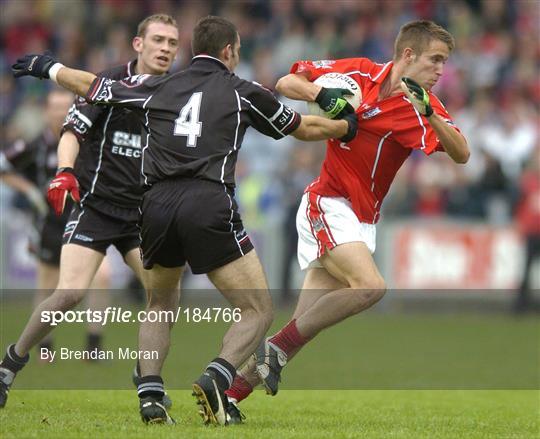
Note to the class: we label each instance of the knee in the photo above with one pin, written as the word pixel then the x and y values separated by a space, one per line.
pixel 266 318
pixel 263 313
pixel 68 299
pixel 368 291
pixel 161 299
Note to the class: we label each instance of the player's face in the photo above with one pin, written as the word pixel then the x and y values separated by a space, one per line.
pixel 157 49
pixel 58 103
pixel 427 68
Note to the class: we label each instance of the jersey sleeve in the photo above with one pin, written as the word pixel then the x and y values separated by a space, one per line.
pixel 314 69
pixel 80 118
pixel 133 92
pixel 265 112
pixel 414 130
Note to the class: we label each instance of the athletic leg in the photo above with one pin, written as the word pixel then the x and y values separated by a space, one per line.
pixel 243 284
pixel 78 265
pixel 47 279
pixel 163 293
pixel 162 287
pixel 353 265
pixel 98 299
pixel 317 283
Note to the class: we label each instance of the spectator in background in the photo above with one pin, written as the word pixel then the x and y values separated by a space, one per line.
pixel 301 170
pixel 528 223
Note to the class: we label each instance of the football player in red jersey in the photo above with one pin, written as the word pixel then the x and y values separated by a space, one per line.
pixel 336 219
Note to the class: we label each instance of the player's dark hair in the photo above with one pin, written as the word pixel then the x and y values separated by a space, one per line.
pixel 211 34
pixel 418 35
pixel 156 18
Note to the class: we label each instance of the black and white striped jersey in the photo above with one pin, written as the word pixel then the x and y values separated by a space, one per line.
pixel 194 120
pixel 109 164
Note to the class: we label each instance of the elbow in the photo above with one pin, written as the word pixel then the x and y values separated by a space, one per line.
pixel 280 86
pixel 463 157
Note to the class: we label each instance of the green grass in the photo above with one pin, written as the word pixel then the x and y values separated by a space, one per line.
pixel 384 375
pixel 291 414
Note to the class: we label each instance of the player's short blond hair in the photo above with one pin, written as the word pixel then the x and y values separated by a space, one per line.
pixel 156 18
pixel 418 35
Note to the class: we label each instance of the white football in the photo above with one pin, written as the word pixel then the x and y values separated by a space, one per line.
pixel 336 80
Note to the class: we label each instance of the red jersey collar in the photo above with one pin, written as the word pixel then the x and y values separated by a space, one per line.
pixel 381 76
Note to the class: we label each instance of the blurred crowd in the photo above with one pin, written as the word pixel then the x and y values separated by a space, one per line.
pixel 491 86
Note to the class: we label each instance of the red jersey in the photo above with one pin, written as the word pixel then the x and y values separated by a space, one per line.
pixel 388 130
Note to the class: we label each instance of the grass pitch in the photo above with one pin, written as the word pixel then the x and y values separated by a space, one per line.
pixel 384 376
pixel 291 414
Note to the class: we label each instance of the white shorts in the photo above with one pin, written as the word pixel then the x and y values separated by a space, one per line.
pixel 325 222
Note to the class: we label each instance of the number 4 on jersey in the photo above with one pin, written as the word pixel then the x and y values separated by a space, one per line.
pixel 187 123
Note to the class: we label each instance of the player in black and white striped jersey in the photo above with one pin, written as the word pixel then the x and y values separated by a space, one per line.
pixel 106 144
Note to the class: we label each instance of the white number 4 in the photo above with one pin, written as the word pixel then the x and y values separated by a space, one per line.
pixel 187 123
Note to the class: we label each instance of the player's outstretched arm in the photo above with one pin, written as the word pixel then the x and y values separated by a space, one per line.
pixel 296 86
pixel 330 100
pixel 318 128
pixel 46 67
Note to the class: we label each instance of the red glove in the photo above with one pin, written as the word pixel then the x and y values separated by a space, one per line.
pixel 65 182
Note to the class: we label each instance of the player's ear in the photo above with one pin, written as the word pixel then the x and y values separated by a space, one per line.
pixel 227 52
pixel 408 55
pixel 137 44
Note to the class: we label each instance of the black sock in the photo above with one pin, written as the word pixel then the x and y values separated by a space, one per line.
pixel 225 372
pixel 150 385
pixel 93 341
pixel 12 361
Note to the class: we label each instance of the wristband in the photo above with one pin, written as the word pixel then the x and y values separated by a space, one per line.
pixel 65 169
pixel 53 71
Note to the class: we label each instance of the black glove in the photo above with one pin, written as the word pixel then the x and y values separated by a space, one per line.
pixel 417 95
pixel 33 65
pixel 352 120
pixel 333 102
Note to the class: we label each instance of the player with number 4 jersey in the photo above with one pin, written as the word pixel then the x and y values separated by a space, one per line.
pixel 193 126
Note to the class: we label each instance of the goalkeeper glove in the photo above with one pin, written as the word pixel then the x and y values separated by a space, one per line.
pixel 332 101
pixel 352 120
pixel 65 182
pixel 417 95
pixel 33 65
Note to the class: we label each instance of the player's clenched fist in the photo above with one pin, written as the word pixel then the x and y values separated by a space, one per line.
pixel 63 184
pixel 332 101
pixel 33 65
pixel 417 95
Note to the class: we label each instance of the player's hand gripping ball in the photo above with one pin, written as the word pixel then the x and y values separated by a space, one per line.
pixel 340 95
